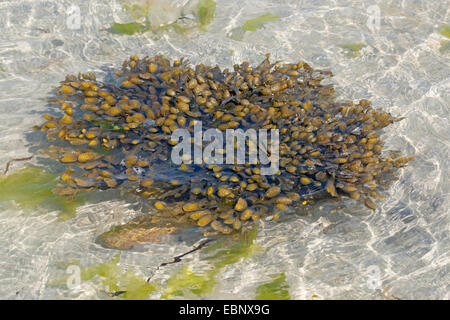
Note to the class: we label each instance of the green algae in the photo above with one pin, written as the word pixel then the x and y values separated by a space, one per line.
pixel 108 271
pixel 130 28
pixel 143 22
pixel 125 284
pixel 253 24
pixel 188 282
pixel 110 274
pixel 277 289
pixel 176 27
pixel 185 281
pixel 205 12
pixel 31 188
pixel 139 28
pixel 445 30
pixel 135 287
pixel 352 50
pixel 244 248
pixel 445 46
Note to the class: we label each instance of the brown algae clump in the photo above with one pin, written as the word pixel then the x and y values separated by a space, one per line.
pixel 118 134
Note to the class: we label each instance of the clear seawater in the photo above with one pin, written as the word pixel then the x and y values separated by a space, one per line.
pixel 402 250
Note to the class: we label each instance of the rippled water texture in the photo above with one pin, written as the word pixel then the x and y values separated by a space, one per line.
pixel 399 251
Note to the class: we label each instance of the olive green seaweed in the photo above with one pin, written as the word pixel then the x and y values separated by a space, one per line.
pixel 132 286
pixel 352 49
pixel 185 281
pixel 253 24
pixel 277 289
pixel 31 188
pixel 139 28
pixel 130 28
pixel 445 46
pixel 445 30
pixel 206 10
pixel 126 284
pixel 245 248
pixel 205 15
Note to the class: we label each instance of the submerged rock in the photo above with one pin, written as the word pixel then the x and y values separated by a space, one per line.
pixel 118 134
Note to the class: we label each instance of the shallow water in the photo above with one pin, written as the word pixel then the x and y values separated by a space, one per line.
pixel 400 251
